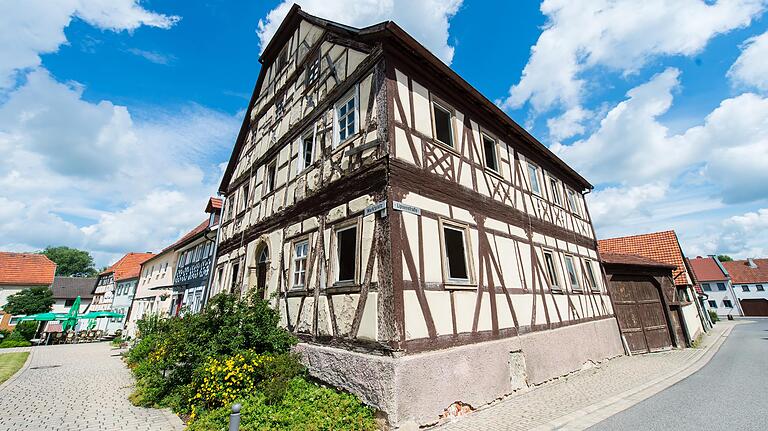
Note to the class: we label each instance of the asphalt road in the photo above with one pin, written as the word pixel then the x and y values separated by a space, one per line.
pixel 730 392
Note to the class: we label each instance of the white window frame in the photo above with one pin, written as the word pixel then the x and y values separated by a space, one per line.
pixel 353 224
pixel 483 137
pixel 436 103
pixel 302 161
pixel 468 261
pixel 590 275
pixel 534 178
pixel 270 183
pixel 573 204
pixel 352 95
pixel 551 272
pixel 572 272
pixel 554 188
pixel 299 261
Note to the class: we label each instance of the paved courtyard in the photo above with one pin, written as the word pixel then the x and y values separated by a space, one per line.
pixel 562 404
pixel 76 387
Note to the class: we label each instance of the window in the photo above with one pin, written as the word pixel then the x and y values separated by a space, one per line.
pixel 313 70
pixel 549 261
pixel 720 286
pixel 235 275
pixel 491 159
pixel 455 253
pixel 554 186
pixel 300 263
pixel 346 117
pixel 443 126
pixel 69 302
pixel 682 294
pixel 307 148
pixel 744 288
pixel 760 288
pixel 591 275
pixel 282 58
pixel 727 303
pixel 572 277
pixel 269 180
pixel 346 254
pixel 712 304
pixel 245 196
pixel 533 173
pixel 572 201
pixel 279 105
pixel 706 287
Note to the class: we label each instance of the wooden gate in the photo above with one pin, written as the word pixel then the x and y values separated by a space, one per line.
pixel 755 307
pixel 640 312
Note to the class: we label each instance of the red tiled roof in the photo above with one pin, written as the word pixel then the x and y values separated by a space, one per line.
pixel 659 246
pixel 740 271
pixel 706 269
pixel 214 205
pixel 189 235
pixel 26 269
pixel 129 266
pixel 633 259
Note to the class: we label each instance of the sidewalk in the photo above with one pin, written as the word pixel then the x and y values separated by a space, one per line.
pixel 584 398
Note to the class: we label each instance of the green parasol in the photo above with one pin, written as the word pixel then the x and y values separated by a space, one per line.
pixel 98 314
pixel 45 317
pixel 71 318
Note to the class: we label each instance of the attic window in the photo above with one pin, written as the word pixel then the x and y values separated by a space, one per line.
pixel 443 126
pixel 313 70
pixel 282 58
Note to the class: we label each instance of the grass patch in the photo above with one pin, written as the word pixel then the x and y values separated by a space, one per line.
pixel 10 363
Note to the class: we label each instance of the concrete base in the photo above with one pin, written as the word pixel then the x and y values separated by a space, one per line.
pixel 418 388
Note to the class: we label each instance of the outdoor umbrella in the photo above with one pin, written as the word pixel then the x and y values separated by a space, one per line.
pixel 98 314
pixel 45 317
pixel 71 318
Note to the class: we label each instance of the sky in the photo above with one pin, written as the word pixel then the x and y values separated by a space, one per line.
pixel 117 117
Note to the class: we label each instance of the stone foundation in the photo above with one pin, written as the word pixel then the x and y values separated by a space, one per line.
pixel 419 388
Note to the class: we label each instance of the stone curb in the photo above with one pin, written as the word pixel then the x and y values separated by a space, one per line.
pixel 599 411
pixel 19 372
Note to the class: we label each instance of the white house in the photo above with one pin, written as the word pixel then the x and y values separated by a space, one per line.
pixel 750 279
pixel 715 283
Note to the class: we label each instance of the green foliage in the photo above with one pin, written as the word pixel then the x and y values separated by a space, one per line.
pixel 724 258
pixel 305 406
pixel 26 329
pixel 713 316
pixel 32 300
pixel 15 339
pixel 71 262
pixel 4 333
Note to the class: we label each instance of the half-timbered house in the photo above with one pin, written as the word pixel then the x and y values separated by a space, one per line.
pixel 424 246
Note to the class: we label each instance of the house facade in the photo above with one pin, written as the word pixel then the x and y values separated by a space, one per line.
pixel 715 282
pixel 665 248
pixel 424 246
pixel 67 289
pixel 19 271
pixel 115 288
pixel 749 278
pixel 153 289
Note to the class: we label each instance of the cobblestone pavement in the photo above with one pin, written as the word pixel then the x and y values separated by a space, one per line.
pixel 76 387
pixel 542 406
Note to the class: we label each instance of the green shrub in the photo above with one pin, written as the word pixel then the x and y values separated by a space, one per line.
pixel 26 329
pixel 15 339
pixel 305 406
pixel 713 316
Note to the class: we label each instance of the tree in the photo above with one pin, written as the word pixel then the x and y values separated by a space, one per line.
pixel 33 300
pixel 71 261
pixel 724 258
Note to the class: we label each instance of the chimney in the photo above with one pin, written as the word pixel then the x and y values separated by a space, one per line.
pixel 751 263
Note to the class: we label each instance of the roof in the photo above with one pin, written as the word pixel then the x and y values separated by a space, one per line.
pixel 390 31
pixel 189 236
pixel 741 273
pixel 633 260
pixel 129 266
pixel 72 287
pixel 214 205
pixel 659 246
pixel 26 269
pixel 707 269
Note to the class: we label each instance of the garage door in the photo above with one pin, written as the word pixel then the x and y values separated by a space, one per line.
pixel 640 313
pixel 755 307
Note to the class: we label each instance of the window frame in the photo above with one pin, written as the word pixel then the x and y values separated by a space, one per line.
pixel 497 168
pixel 282 60
pixel 723 289
pixel 302 153
pixel 555 191
pixel 353 94
pixel 573 205
pixel 309 78
pixel 572 276
pixel 712 303
pixel 270 181
pixel 727 303
pixel 437 102
pixel 590 276
pixel 759 288
pixel 295 259
pixel 536 170
pixel 355 223
pixel 745 288
pixel 449 281
pixel 706 287
pixel 554 285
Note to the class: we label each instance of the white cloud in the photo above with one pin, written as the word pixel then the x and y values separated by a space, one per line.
pixel 569 124
pixel 612 205
pixel 751 68
pixel 29 28
pixel 739 236
pixel 152 56
pixel 619 35
pixel 427 20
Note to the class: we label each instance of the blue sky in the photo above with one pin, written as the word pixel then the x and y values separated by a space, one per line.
pixel 117 115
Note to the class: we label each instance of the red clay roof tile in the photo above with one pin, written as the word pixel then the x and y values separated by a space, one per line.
pixel 659 246
pixel 706 269
pixel 741 273
pixel 26 269
pixel 129 266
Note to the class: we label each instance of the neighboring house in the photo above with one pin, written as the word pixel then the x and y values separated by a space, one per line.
pixel 665 248
pixel 115 288
pixel 19 271
pixel 750 280
pixel 425 246
pixel 715 283
pixel 67 289
pixel 194 253
pixel 153 290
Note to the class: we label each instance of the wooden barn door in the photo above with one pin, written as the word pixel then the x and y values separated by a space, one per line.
pixel 755 307
pixel 640 313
